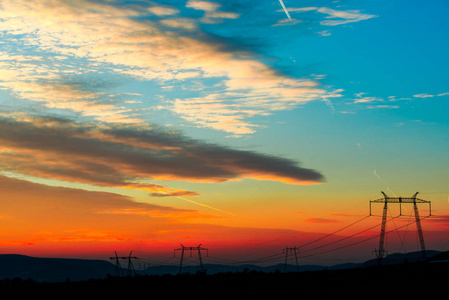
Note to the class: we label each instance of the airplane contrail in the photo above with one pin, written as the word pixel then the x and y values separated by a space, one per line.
pixel 204 205
pixel 375 173
pixel 285 9
pixel 391 191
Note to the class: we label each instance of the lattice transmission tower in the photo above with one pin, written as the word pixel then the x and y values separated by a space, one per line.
pixel 118 267
pixel 380 253
pixel 131 270
pixel 183 249
pixel 293 251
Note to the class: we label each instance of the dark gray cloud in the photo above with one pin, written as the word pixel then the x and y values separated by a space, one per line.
pixel 131 156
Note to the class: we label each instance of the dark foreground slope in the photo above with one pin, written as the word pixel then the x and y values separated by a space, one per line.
pixel 52 269
pixel 63 269
pixel 424 279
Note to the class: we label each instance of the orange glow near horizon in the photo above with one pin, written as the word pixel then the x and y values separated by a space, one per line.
pixel 40 220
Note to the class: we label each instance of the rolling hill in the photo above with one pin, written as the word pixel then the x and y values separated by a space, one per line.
pixel 64 269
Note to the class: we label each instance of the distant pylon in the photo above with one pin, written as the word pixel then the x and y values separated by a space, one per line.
pixel 197 248
pixel 131 270
pixel 293 250
pixel 380 253
pixel 118 268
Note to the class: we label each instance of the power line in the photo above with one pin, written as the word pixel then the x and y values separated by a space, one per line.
pixel 281 255
pixel 358 242
pixel 284 254
pixel 344 238
pixel 330 234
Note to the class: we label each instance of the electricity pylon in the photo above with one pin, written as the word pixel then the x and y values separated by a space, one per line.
pixel 118 268
pixel 197 248
pixel 293 250
pixel 380 253
pixel 131 270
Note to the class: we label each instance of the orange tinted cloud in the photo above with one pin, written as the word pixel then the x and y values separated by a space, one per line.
pixel 321 220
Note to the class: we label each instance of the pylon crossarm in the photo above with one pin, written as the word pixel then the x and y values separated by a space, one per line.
pixel 184 248
pixel 399 200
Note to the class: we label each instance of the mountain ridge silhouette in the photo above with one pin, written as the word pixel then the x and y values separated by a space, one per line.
pixel 43 269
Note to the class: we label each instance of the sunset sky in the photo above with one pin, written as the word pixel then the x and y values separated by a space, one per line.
pixel 238 125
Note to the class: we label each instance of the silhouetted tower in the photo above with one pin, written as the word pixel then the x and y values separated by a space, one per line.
pixel 294 251
pixel 380 253
pixel 131 270
pixel 183 249
pixel 118 268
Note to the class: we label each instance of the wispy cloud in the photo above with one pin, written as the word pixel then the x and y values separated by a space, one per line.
pixel 212 12
pixel 361 98
pixel 342 17
pixel 321 221
pixel 431 95
pixel 382 106
pixel 423 96
pixel 372 102
pixel 324 33
pixel 367 99
pixel 161 10
pixel 335 17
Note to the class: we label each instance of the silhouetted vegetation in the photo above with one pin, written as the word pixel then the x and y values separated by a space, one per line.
pixel 417 279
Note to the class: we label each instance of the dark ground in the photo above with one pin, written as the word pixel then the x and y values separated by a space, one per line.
pixel 422 279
